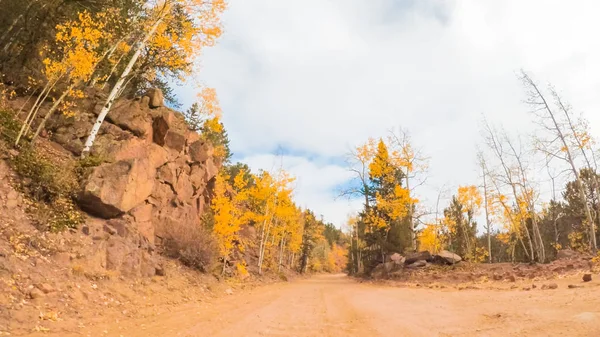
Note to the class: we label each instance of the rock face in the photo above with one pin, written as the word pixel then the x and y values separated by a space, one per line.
pixel 414 257
pixel 114 189
pixel 155 176
pixel 156 98
pixel 448 257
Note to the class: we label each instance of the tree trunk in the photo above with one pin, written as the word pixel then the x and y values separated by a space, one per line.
pixel 569 159
pixel 34 109
pixel 117 87
pixel 411 222
pixel 488 225
pixel 50 112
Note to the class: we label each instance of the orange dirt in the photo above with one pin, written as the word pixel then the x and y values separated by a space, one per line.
pixel 335 305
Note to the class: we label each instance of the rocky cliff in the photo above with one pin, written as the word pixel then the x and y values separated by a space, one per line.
pixel 155 175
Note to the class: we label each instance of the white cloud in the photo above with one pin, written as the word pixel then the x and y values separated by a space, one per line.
pixel 320 76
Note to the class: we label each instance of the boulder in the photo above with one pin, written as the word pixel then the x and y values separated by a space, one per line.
pixel 128 259
pixel 117 227
pixel 146 230
pixel 197 178
pixel 587 277
pixel 142 213
pixel 138 149
pixel 45 288
pixel 113 189
pixel 417 264
pixel 192 136
pixel 174 140
pixel 156 98
pixel 166 174
pixel 35 293
pixel 567 254
pixel 159 130
pixel 200 151
pixel 183 188
pixel 162 195
pixel 211 170
pixel 550 286
pixel 417 256
pixel 131 116
pixel 174 216
pixel 378 271
pixel 397 258
pixel 447 257
pixel 160 270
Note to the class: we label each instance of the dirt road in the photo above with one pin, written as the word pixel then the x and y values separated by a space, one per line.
pixel 338 306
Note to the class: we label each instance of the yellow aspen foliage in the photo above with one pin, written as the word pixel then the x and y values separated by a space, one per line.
pixel 470 198
pixel 381 167
pixel 430 239
pixel 226 216
pixel 80 44
pixel 366 152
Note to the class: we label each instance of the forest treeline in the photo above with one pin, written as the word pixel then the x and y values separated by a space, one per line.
pixel 537 194
pixel 53 51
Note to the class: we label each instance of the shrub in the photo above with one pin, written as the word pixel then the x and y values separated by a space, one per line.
pixel 9 126
pixel 49 183
pixel 45 180
pixel 86 165
pixel 56 215
pixel 192 244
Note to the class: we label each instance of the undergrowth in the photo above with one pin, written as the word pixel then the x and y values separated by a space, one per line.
pixel 50 185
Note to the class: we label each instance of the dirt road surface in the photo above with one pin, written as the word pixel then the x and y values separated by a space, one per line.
pixel 335 305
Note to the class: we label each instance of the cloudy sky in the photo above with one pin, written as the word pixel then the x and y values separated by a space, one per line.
pixel 302 82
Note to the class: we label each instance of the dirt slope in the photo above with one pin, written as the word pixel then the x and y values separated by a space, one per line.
pixel 338 306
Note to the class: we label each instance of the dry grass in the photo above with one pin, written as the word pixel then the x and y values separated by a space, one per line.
pixel 192 244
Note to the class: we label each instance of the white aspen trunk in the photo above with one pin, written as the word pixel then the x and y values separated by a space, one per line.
pixel 224 264
pixel 112 71
pixel 11 41
pixel 107 54
pixel 12 26
pixel 262 251
pixel 33 110
pixel 25 104
pixel 569 159
pixel 593 243
pixel 352 254
pixel 50 112
pixel 487 216
pixel 413 236
pixel 262 240
pixel 117 88
pixel 281 253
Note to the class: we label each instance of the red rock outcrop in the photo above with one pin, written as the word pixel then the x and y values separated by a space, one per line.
pixel 154 176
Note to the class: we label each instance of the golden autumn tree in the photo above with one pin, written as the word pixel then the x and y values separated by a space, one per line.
pixel 387 228
pixel 205 116
pixel 80 47
pixel 269 201
pixel 228 213
pixel 430 239
pixel 171 34
pixel 515 193
pixel 413 165
pixel 459 219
